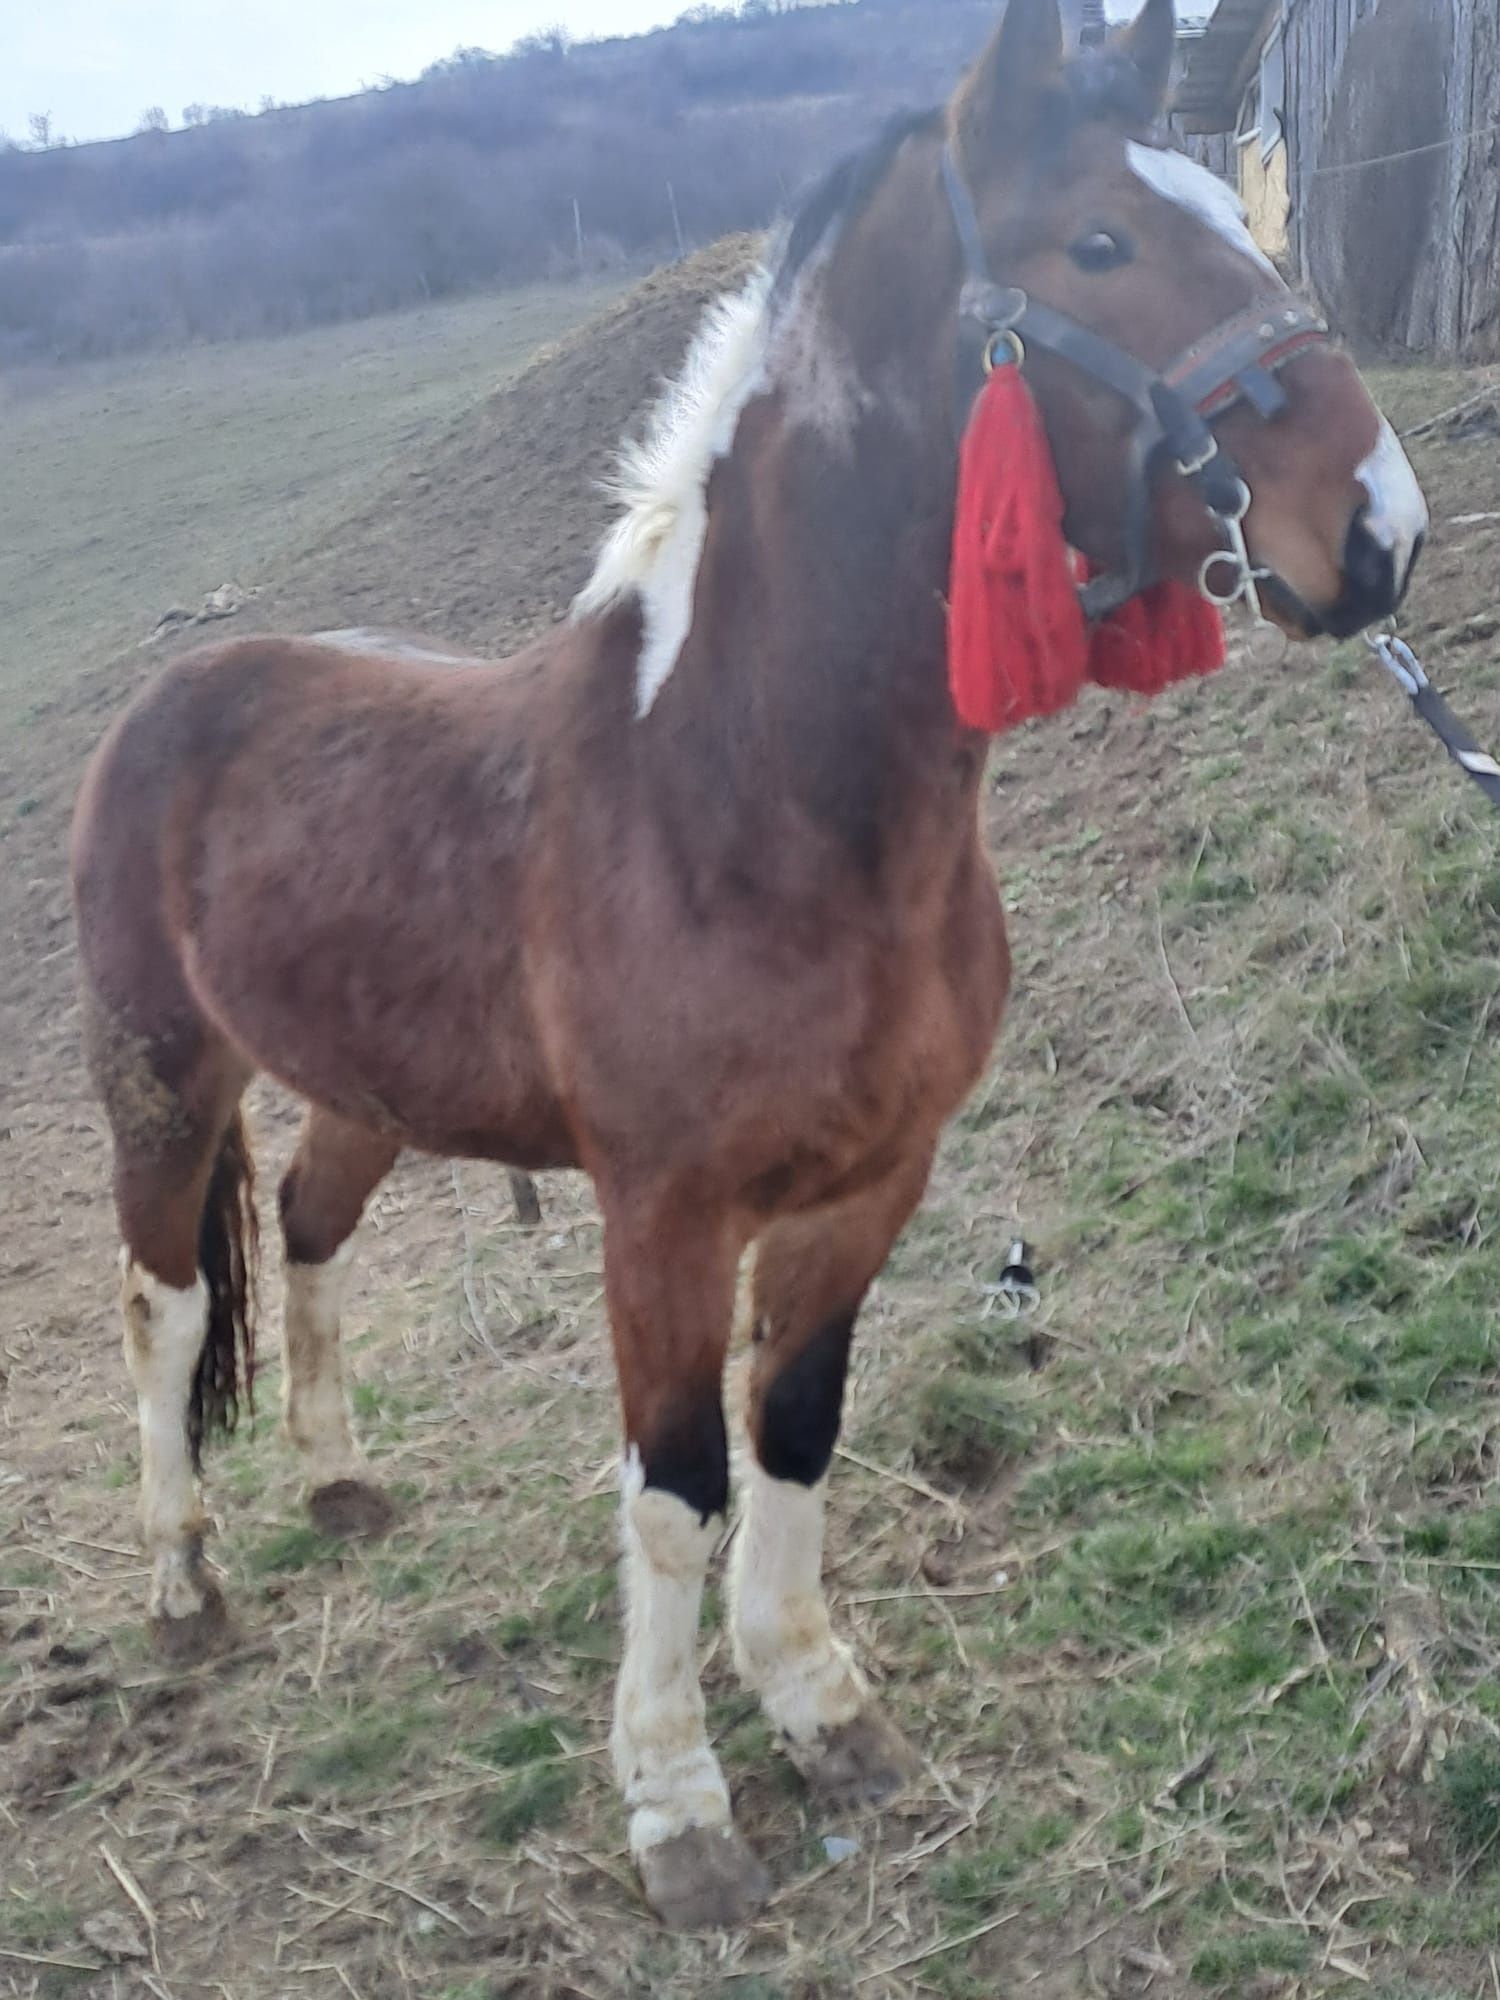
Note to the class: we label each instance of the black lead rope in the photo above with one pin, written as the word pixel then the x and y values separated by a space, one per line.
pixel 1402 664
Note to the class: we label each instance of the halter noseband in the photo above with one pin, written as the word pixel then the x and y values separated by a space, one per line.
pixel 1236 362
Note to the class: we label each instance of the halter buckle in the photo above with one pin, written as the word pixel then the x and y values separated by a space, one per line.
pixel 1191 467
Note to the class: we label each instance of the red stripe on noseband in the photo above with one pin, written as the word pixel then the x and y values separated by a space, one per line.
pixel 1228 392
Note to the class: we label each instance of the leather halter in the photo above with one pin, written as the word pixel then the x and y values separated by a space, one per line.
pixel 1235 362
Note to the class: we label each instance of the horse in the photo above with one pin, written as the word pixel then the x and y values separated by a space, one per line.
pixel 691 894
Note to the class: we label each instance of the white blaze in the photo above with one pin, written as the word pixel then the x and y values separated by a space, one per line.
pixel 1397 515
pixel 1181 180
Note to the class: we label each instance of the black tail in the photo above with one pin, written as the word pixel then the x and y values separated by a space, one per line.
pixel 229 1258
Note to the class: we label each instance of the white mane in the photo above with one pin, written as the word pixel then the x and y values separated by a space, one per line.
pixel 661 482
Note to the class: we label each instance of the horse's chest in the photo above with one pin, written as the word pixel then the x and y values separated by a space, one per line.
pixel 914 1046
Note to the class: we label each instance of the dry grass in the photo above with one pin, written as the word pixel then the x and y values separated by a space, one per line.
pixel 1185 1584
pixel 132 486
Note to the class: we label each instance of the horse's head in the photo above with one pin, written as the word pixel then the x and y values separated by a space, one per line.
pixel 1119 256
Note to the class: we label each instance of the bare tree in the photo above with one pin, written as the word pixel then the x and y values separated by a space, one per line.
pixel 554 42
pixel 153 119
pixel 39 124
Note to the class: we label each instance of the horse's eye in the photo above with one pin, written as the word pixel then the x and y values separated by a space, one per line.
pixel 1099 251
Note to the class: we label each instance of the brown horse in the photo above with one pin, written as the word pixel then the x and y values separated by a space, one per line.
pixel 691 894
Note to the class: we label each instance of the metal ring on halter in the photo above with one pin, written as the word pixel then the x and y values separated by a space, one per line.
pixel 1268 643
pixel 1245 576
pixel 1236 590
pixel 1007 337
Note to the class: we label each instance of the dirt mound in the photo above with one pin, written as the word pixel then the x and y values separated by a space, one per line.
pixel 488 534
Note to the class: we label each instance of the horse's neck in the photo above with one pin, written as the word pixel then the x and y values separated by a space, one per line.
pixel 811 690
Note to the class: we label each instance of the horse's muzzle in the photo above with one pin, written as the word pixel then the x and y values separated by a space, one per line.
pixel 1375 581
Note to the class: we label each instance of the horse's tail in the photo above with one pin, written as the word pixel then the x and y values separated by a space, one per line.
pixel 229 1258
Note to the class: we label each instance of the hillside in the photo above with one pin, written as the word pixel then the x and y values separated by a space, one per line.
pixel 1184 1585
pixel 467 179
pixel 146 483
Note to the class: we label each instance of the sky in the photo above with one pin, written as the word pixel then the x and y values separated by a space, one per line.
pixel 96 65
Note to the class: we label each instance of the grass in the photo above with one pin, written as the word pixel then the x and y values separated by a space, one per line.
pixel 1471 1796
pixel 539 1795
pixel 1260 1437
pixel 290 1549
pixel 364 1753
pixel 133 486
pixel 1184 1585
pixel 35 1924
pixel 528 1739
pixel 970 1425
pixel 34 1929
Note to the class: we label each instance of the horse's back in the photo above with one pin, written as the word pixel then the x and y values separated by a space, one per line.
pixel 324 844
pixel 414 648
pixel 222 714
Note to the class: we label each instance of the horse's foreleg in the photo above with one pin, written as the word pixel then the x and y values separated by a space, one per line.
pixel 336 1169
pixel 671 1296
pixel 811 1275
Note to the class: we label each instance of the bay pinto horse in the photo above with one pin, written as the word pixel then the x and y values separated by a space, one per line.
pixel 691 894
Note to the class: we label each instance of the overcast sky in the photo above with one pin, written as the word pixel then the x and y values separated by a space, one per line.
pixel 97 64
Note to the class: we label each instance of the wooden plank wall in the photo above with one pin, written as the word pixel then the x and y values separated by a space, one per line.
pixel 1454 294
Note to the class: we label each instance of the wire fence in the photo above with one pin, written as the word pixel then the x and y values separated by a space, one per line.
pixel 1410 153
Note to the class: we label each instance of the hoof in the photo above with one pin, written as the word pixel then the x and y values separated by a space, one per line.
pixel 351 1510
pixel 704 1879
pixel 860 1764
pixel 186 1642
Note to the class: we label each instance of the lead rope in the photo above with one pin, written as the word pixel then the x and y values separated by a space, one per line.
pixel 1402 664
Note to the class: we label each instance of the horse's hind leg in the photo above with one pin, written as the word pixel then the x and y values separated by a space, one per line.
pixel 811 1275
pixel 183 1194
pixel 337 1167
pixel 527 1198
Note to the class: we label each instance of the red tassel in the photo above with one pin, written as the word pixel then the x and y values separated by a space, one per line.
pixel 1169 633
pixel 1018 643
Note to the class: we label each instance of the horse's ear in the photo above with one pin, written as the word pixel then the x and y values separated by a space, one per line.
pixel 1151 44
pixel 995 104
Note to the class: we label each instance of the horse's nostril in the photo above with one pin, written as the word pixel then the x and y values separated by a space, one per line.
pixel 1372 587
pixel 1369 566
